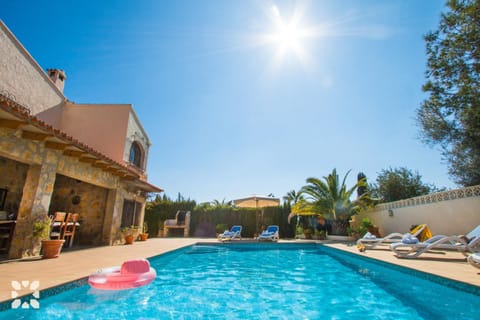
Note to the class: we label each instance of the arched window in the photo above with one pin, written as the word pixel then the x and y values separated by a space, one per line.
pixel 136 154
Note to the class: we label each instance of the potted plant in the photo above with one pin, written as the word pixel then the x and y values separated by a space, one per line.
pixel 299 233
pixel 129 233
pixel 41 228
pixel 308 233
pixel 50 248
pixel 320 235
pixel 354 233
pixel 143 236
pixel 370 227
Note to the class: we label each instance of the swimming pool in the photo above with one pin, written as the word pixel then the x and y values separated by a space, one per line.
pixel 266 281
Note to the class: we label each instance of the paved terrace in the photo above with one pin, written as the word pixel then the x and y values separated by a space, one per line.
pixel 78 264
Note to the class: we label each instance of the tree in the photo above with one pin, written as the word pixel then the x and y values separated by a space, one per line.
pixel 399 183
pixel 332 199
pixel 450 116
pixel 363 187
pixel 292 197
pixel 221 204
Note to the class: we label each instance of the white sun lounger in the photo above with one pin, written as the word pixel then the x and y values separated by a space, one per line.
pixel 270 234
pixel 464 244
pixel 474 260
pixel 370 242
pixel 234 233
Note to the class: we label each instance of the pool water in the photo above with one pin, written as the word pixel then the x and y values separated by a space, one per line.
pixel 265 281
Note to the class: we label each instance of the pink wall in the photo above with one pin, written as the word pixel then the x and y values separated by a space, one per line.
pixel 101 126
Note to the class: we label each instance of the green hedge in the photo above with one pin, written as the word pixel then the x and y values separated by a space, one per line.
pixel 159 210
pixel 204 220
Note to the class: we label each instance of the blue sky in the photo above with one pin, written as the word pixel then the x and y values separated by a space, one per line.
pixel 248 97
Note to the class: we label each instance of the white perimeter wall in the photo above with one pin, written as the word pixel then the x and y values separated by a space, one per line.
pixel 451 212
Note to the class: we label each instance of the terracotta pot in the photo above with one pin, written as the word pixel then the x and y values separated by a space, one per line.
pixel 51 248
pixel 129 239
pixel 143 236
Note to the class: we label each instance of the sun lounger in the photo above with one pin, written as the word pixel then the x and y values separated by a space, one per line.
pixel 270 234
pixel 464 244
pixel 234 233
pixel 370 241
pixel 474 260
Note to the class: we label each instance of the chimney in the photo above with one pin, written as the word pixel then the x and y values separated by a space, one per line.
pixel 58 77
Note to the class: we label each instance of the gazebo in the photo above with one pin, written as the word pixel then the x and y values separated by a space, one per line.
pixel 257 202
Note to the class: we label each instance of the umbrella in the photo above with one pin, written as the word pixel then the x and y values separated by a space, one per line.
pixel 257 202
pixel 302 208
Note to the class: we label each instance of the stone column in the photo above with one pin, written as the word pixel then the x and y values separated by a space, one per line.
pixel 141 211
pixel 111 221
pixel 37 193
pixel 113 214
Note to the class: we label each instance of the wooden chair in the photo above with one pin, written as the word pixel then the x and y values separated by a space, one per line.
pixel 58 225
pixel 181 221
pixel 71 225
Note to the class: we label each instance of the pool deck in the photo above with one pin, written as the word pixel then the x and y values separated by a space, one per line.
pixel 77 264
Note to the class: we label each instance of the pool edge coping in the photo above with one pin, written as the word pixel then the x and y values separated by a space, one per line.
pixel 457 284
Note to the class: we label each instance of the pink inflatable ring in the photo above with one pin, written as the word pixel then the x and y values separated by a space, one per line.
pixel 132 274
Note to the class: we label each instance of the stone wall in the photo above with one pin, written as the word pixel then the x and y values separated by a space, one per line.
pixel 45 179
pixel 88 200
pixel 72 167
pixel 13 147
pixel 119 197
pixel 12 178
pixel 22 78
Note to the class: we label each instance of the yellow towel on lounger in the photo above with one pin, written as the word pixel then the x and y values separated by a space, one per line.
pixel 424 235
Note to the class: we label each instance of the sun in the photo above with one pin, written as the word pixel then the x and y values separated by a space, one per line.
pixel 288 36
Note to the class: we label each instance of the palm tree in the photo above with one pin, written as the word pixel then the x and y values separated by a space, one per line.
pixel 331 198
pixel 292 197
pixel 221 204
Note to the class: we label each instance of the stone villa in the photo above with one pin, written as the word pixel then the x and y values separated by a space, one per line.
pixel 56 155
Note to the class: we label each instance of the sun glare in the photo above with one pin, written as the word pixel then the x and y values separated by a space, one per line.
pixel 288 36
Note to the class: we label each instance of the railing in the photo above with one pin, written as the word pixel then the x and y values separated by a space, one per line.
pixel 468 192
